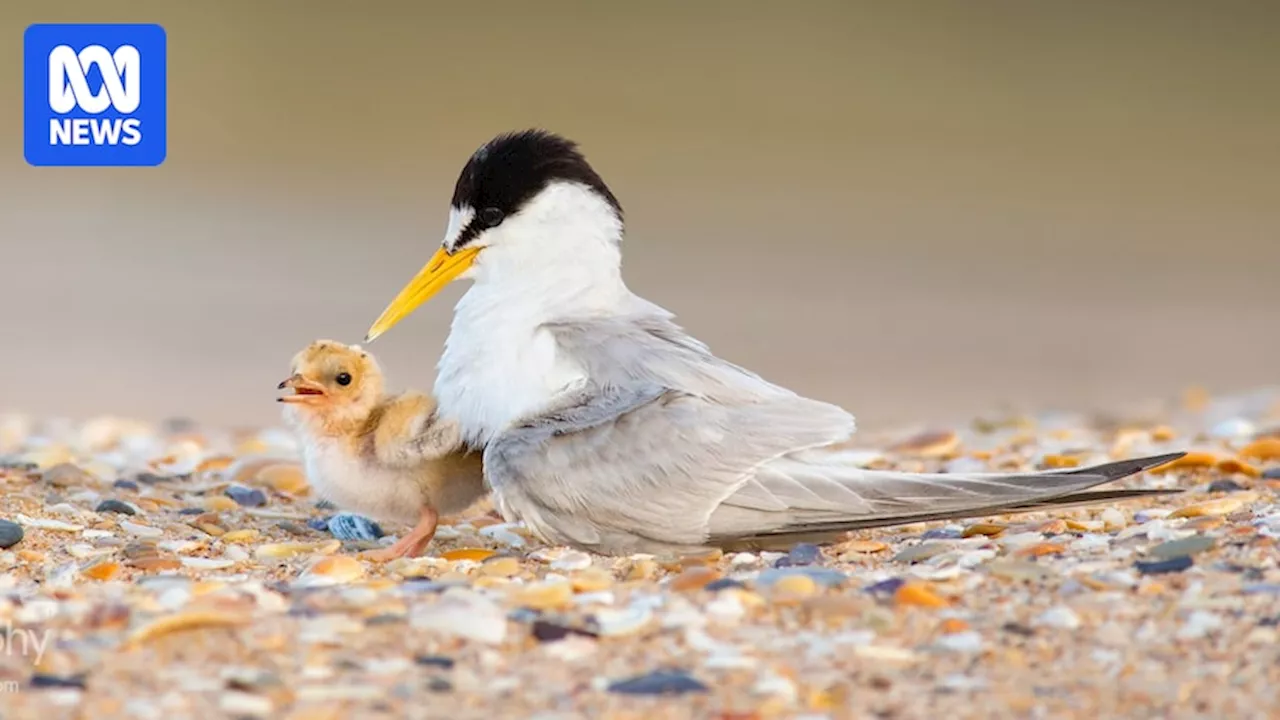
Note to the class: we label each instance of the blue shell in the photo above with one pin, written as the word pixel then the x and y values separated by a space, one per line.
pixel 349 526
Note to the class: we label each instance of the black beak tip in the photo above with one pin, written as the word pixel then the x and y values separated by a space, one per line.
pixel 281 385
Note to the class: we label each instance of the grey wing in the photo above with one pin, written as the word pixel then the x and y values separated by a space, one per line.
pixel 637 468
pixel 671 446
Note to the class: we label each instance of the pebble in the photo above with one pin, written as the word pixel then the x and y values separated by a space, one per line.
pixel 924 551
pixel 1112 519
pixel 65 475
pixel 1186 546
pixel 961 642
pixel 794 586
pixel 503 534
pixel 659 682
pixel 10 534
pixel 1199 624
pixel 1225 486
pixel 800 555
pixel 43 681
pixel 145 531
pixel 885 587
pixel 724 584
pixel 462 613
pixel 115 506
pixel 547 631
pixel 434 661
pixel 1161 567
pixel 624 621
pixel 1059 617
pixel 1233 428
pixel 246 497
pixel 571 560
pixel 826 577
pixel 125 485
pixel 349 526
pixel 1018 629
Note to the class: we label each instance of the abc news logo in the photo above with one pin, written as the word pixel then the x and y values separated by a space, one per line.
pixel 69 89
pixel 95 94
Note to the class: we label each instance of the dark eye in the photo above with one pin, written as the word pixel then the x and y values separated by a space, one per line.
pixel 491 217
pixel 343 378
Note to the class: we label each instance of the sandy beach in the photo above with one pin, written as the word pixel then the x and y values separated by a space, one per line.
pixel 181 571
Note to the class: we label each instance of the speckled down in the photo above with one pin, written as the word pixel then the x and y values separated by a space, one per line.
pixel 224 593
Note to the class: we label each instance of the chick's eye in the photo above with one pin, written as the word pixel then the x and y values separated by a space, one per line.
pixel 343 378
pixel 491 217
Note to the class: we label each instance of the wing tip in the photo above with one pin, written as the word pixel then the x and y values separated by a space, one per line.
pixel 1124 468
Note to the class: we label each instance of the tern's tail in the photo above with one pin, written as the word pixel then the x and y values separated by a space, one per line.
pixel 814 498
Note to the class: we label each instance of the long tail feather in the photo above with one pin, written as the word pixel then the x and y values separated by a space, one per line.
pixel 902 498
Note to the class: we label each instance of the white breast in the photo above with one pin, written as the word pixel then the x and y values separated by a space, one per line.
pixel 497 369
pixel 359 487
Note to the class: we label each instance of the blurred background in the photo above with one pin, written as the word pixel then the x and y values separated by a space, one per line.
pixel 921 211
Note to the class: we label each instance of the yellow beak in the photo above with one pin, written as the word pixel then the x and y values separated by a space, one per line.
pixel 439 271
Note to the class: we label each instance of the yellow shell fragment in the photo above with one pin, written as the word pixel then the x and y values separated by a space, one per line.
pixel 1221 506
pixel 337 568
pixel 1267 448
pixel 929 445
pixel 1190 461
pixel 503 567
pixel 987 529
pixel 591 580
pixel 240 536
pixel 279 551
pixel 472 554
pixel 102 571
pixel 191 620
pixel 284 477
pixel 220 503
pixel 865 546
pixel 543 595
pixel 918 595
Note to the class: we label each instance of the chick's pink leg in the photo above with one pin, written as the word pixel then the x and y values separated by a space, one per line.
pixel 414 542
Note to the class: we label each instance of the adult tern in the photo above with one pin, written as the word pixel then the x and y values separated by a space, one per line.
pixel 605 426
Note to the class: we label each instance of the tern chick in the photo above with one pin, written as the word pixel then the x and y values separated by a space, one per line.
pixel 385 456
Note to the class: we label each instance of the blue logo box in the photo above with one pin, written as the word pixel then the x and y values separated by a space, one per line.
pixel 94 95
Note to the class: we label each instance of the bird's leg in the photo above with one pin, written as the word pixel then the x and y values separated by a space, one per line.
pixel 413 543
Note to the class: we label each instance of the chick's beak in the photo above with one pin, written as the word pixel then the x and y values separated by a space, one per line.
pixel 304 390
pixel 439 271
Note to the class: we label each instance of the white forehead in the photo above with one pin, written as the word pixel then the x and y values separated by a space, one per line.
pixel 459 218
